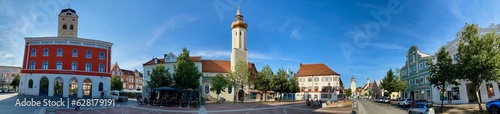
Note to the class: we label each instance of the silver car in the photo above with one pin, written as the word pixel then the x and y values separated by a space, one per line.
pixel 420 108
pixel 405 102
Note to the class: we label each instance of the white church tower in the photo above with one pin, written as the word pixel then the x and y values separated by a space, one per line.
pixel 67 23
pixel 353 86
pixel 239 40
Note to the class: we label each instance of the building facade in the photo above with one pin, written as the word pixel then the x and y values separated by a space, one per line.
pixel 463 93
pixel 132 80
pixel 415 72
pixel 8 73
pixel 318 81
pixel 66 65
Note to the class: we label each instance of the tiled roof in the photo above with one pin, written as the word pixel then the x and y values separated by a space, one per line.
pixel 128 72
pixel 162 60
pixel 220 66
pixel 315 70
pixel 371 85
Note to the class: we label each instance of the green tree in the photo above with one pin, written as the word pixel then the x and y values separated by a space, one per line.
pixel 293 86
pixel 160 77
pixel 239 76
pixel 219 83
pixel 116 84
pixel 348 92
pixel 186 73
pixel 15 82
pixel 442 73
pixel 478 58
pixel 392 83
pixel 279 82
pixel 263 80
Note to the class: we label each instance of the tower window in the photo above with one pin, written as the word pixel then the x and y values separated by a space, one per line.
pixel 71 27
pixel 73 19
pixel 63 19
pixel 68 13
pixel 64 26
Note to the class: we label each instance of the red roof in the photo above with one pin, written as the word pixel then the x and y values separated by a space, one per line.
pixel 315 70
pixel 221 66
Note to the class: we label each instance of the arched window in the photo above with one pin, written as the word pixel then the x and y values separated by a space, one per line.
pixel 45 65
pixel 100 86
pixel 30 83
pixel 59 65
pixel 101 68
pixel 101 55
pixel 89 54
pixel 207 89
pixel 88 67
pixel 32 65
pixel 229 89
pixel 33 52
pixel 45 52
pixel 59 52
pixel 64 26
pixel 71 27
pixel 74 65
pixel 75 53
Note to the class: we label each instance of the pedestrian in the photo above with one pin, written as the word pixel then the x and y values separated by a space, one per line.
pixel 320 103
pixel 77 108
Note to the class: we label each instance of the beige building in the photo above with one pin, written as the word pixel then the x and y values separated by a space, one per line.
pixel 132 80
pixel 316 81
pixel 8 73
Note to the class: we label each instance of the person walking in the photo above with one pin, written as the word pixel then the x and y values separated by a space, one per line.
pixel 77 108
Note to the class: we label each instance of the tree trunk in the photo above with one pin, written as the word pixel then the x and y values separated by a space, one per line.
pixel 265 96
pixel 476 89
pixel 217 98
pixel 442 93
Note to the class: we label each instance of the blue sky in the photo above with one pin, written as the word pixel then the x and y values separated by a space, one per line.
pixel 281 33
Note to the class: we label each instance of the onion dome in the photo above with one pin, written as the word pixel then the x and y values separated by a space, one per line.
pixel 239 20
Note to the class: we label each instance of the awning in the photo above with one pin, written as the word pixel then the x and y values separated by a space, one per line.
pixel 165 88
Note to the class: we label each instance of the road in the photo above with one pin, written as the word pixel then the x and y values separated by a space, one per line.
pixel 370 107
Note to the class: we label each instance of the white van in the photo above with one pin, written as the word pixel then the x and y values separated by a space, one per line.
pixel 119 95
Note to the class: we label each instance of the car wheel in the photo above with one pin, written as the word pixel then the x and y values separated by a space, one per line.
pixel 494 110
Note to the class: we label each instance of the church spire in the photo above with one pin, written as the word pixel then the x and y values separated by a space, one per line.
pixel 238 12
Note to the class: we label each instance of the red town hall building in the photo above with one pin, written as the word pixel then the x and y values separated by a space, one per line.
pixel 66 65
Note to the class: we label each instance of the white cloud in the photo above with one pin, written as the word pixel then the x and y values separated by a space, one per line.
pixel 171 23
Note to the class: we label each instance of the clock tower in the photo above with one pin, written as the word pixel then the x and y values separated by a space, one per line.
pixel 67 23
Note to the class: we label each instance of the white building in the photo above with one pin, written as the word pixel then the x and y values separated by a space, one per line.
pixel 316 80
pixel 463 93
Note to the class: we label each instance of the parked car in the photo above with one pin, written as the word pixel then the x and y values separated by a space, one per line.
pixel 493 106
pixel 119 95
pixel 427 103
pixel 405 102
pixel 386 100
pixel 376 100
pixel 420 108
